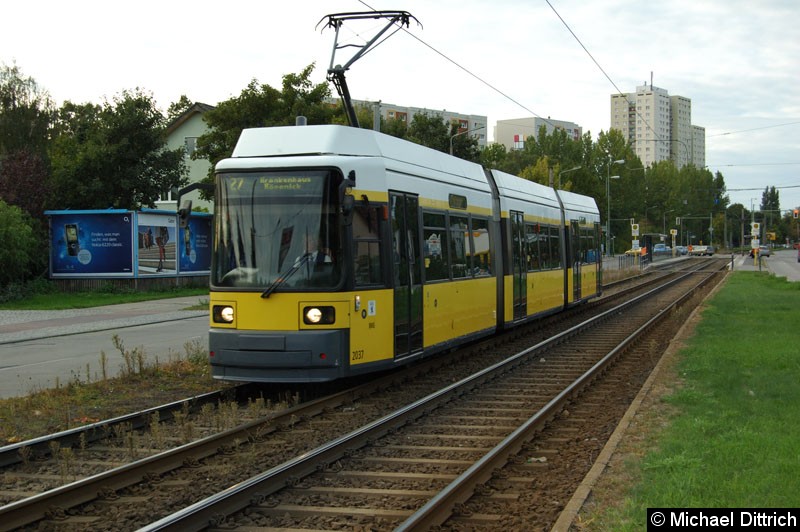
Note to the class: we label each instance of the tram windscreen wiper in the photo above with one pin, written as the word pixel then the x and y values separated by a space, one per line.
pixel 282 278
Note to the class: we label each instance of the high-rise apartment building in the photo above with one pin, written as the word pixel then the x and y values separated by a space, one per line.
pixel 659 126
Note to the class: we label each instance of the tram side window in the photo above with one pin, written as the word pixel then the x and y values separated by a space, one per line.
pixel 481 245
pixel 459 247
pixel 588 246
pixel 366 237
pixel 435 246
pixel 532 253
pixel 555 248
pixel 544 247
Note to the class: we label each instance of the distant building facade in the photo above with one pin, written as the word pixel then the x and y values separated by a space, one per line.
pixel 475 126
pixel 659 126
pixel 515 132
pixel 183 132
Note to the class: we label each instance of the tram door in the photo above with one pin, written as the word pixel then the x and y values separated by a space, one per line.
pixel 407 274
pixel 519 266
pixel 575 258
pixel 598 256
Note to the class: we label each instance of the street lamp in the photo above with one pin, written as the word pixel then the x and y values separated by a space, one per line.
pixel 664 226
pixel 566 172
pixel 463 133
pixel 608 204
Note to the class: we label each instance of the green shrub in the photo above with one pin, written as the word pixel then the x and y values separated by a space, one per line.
pixel 20 253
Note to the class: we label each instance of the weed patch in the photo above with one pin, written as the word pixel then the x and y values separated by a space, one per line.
pixel 142 384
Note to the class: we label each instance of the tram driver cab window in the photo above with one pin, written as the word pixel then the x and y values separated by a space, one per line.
pixel 316 265
pixel 316 251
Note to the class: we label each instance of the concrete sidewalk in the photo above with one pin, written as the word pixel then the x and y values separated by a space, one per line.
pixel 782 263
pixel 22 325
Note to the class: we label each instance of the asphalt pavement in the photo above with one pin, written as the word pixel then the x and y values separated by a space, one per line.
pixel 781 263
pixel 44 349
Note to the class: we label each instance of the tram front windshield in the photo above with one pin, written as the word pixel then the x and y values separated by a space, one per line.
pixel 277 231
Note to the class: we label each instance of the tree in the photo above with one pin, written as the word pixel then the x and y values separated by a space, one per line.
pixel 739 224
pixel 493 156
pixel 538 173
pixel 113 155
pixel 25 182
pixel 26 113
pixel 260 105
pixel 395 127
pixel 464 145
pixel 20 253
pixel 583 181
pixel 429 130
pixel 659 195
pixel 364 113
pixel 770 200
pixel 176 109
pixel 26 117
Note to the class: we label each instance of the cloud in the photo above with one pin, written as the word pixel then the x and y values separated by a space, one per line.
pixel 737 61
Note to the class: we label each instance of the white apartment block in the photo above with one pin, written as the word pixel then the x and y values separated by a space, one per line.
pixel 514 133
pixel 659 126
pixel 473 125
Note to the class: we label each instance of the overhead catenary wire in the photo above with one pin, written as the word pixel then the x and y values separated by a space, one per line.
pixel 753 129
pixel 591 56
pixel 468 71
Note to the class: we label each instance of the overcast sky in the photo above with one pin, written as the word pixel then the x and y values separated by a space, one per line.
pixel 738 61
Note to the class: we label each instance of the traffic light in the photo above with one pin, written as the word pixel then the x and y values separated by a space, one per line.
pixel 795 213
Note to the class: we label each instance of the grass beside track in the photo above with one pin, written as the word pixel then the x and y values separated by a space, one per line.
pixel 67 300
pixel 726 434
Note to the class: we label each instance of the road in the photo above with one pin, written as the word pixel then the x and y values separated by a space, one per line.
pixel 784 263
pixel 65 346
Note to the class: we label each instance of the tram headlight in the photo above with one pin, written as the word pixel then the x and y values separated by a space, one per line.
pixel 319 315
pixel 223 314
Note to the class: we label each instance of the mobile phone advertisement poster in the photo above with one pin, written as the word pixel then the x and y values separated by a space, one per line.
pixel 84 244
pixel 121 243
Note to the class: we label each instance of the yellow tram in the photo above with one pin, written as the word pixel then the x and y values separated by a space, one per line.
pixel 340 251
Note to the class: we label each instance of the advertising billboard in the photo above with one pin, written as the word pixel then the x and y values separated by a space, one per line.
pixel 122 243
pixel 91 243
pixel 156 249
pixel 195 245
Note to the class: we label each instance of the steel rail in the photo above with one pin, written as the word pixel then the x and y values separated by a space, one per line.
pixel 92 432
pixel 439 508
pixel 213 510
pixel 32 509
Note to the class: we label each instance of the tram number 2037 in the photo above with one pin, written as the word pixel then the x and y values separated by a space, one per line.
pixel 358 354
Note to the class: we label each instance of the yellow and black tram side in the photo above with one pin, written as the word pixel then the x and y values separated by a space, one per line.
pixel 432 252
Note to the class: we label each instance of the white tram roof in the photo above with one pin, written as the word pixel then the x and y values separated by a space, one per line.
pixel 579 204
pixel 306 143
pixel 333 140
pixel 517 188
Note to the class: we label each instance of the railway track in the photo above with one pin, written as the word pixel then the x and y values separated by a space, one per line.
pixel 459 436
pixel 279 439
